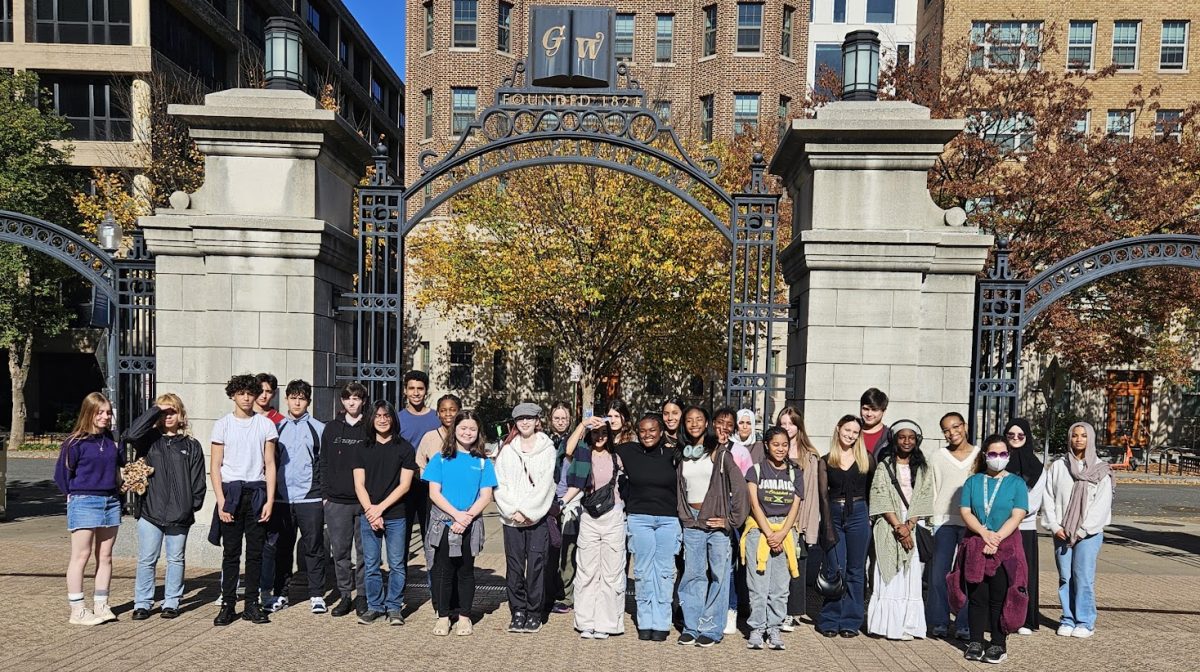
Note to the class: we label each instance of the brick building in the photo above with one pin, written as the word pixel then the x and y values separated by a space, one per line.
pixel 1153 44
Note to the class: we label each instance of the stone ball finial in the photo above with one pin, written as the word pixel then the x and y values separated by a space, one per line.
pixel 180 200
pixel 381 148
pixel 955 217
pixel 758 157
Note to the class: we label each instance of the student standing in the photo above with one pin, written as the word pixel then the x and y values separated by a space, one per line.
pixel 748 450
pixel 525 472
pixel 951 466
pixel 845 480
pixel 243 476
pixel 672 416
pixel 461 481
pixel 655 534
pixel 901 501
pixel 1024 463
pixel 711 492
pixel 561 577
pixel 991 565
pixel 167 510
pixel 871 408
pixel 804 455
pixel 596 471
pixel 620 419
pixel 416 420
pixel 267 386
pixel 88 473
pixel 1078 505
pixel 775 489
pixel 340 442
pixel 383 473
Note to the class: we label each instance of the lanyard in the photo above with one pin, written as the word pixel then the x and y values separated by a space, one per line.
pixel 988 501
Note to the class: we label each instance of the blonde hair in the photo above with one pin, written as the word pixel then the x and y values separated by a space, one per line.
pixel 861 458
pixel 85 425
pixel 801 439
pixel 171 399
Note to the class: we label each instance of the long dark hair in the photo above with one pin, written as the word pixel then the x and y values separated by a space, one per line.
pixel 916 459
pixel 391 411
pixel 622 409
pixel 707 439
pixel 450 444
pixel 596 432
pixel 771 433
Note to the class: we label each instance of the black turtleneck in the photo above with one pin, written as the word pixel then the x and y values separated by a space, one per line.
pixel 652 480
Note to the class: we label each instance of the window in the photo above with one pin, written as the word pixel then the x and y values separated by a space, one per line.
pixel 462 365
pixel 1120 125
pixel 664 38
pixel 1081 45
pixel 543 369
pixel 654 383
pixel 710 30
pixel 180 41
pixel 745 113
pixel 462 109
pixel 903 53
pixel 427 95
pixel 1173 53
pixel 1082 125
pixel 623 38
pixel 429 26
pixel 344 54
pixel 253 22
pixel 881 11
pixel 1011 134
pixel 466 13
pixel 706 118
pixel 1006 44
pixel 1166 124
pixel 785 105
pixel 1125 44
pixel 785 36
pixel 663 109
pixel 95 106
pixel 749 27
pixel 6 21
pixel 504 27
pixel 81 21
pixel 829 59
pixel 499 370
pixel 423 353
pixel 377 92
pixel 839 11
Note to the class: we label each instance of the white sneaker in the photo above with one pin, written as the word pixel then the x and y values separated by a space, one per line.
pixel 279 603
pixel 599 635
pixel 731 622
pixel 220 601
pixel 317 605
pixel 104 613
pixel 788 624
pixel 85 617
pixel 1081 632
pixel 1024 631
pixel 587 634
pixel 1065 630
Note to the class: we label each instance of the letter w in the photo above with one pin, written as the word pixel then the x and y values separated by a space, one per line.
pixel 589 47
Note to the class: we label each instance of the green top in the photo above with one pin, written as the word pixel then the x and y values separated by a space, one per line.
pixel 890 556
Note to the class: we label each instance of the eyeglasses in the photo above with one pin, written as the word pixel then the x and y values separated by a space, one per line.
pixel 1015 435
pixel 383 416
pixel 947 430
pixel 995 455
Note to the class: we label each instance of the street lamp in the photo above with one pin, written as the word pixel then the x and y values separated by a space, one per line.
pixel 283 53
pixel 110 234
pixel 860 65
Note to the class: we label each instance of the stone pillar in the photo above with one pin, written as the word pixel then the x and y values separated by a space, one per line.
pixel 882 280
pixel 248 267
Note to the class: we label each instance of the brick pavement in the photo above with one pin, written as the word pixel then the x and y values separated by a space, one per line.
pixel 1149 590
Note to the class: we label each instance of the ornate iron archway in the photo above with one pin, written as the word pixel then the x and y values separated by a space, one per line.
pixel 124 284
pixel 1005 305
pixel 609 128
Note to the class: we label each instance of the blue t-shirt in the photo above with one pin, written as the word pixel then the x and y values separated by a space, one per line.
pixel 461 478
pixel 414 427
pixel 1012 495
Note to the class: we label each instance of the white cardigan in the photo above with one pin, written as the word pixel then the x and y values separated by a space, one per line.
pixel 526 480
pixel 1058 494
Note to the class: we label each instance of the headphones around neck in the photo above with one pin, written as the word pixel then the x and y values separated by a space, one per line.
pixel 693 452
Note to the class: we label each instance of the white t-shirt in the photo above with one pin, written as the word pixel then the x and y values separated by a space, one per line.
pixel 243 439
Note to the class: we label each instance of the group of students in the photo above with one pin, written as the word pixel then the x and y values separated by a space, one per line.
pixel 690 494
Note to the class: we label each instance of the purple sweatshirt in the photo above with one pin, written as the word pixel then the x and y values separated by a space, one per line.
pixel 89 466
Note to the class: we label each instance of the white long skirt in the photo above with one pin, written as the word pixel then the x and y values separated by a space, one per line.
pixel 896 610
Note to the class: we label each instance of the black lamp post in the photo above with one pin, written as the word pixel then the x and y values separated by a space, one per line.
pixel 284 53
pixel 860 65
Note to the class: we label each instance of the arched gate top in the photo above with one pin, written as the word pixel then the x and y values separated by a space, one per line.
pixel 66 246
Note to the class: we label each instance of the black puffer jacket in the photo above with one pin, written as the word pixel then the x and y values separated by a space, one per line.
pixel 175 490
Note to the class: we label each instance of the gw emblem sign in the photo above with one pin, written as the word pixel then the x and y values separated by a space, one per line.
pixel 571 47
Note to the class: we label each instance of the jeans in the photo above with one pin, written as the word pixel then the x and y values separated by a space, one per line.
pixel 704 588
pixel 946 538
pixel 768 591
pixel 853 533
pixel 1077 579
pixel 526 552
pixel 985 602
pixel 395 535
pixel 150 542
pixel 654 542
pixel 246 524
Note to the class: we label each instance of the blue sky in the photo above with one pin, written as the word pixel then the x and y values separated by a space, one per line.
pixel 384 22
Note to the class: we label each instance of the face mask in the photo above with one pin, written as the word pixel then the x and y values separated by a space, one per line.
pixel 997 463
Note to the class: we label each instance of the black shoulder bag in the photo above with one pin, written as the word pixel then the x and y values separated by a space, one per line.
pixel 924 538
pixel 602 500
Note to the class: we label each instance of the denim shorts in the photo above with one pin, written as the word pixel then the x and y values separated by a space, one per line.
pixel 90 511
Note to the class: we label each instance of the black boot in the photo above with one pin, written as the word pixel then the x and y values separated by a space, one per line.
pixel 227 614
pixel 255 613
pixel 343 607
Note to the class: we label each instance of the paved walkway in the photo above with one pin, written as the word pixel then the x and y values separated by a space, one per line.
pixel 1148 586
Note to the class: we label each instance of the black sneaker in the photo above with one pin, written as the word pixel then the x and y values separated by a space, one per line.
pixel 687 639
pixel 974 651
pixel 169 612
pixel 140 614
pixel 533 623
pixel 343 607
pixel 659 635
pixel 360 605
pixel 370 616
pixel 704 641
pixel 645 635
pixel 226 616
pixel 995 655
pixel 517 624
pixel 255 613
pixel 394 617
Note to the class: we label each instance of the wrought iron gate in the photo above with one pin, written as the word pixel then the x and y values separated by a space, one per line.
pixel 606 128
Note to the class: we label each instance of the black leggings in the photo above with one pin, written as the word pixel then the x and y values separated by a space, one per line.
pixel 450 574
pixel 986 604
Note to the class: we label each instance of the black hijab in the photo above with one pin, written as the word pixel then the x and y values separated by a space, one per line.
pixel 1023 461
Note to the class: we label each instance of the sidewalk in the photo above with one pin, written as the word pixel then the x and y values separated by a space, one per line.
pixel 1148 589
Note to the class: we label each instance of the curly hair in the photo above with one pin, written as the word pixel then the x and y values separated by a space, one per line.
pixel 244 382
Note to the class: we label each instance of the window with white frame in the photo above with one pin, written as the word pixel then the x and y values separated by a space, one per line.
pixel 710 30
pixel 1166 124
pixel 504 27
pixel 749 27
pixel 1081 45
pixel 785 36
pixel 662 108
pixel 664 37
pixel 706 118
pixel 1120 125
pixel 881 11
pixel 466 23
pixel 1006 45
pixel 429 26
pixel 623 38
pixel 1013 133
pixel 462 109
pixel 745 113
pixel 1125 44
pixel 427 95
pixel 1082 124
pixel 1173 52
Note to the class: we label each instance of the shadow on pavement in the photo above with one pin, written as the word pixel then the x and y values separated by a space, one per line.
pixel 1169 545
pixel 34 499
